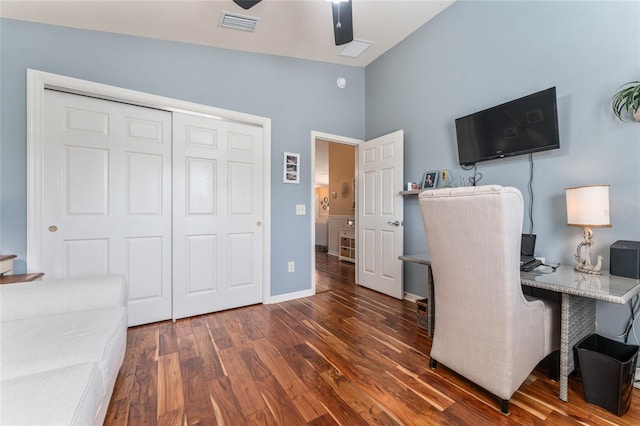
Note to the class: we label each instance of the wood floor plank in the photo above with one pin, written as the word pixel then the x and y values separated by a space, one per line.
pixel 177 417
pixel 234 329
pixel 213 368
pixel 143 412
pixel 339 409
pixel 182 327
pixel 351 394
pixel 254 365
pixel 118 413
pixel 220 337
pixel 170 395
pixel 346 356
pixel 124 382
pixel 280 406
pixel 262 418
pixel 142 346
pixel 196 397
pixel 303 399
pixel 373 382
pixel 412 382
pixel 145 382
pixel 224 402
pixel 251 330
pixel 325 420
pixel 168 341
pixel 187 346
pixel 246 391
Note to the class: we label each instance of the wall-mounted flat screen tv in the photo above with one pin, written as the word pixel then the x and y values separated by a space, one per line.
pixel 524 125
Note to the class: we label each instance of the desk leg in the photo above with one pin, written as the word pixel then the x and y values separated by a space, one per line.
pixel 430 305
pixel 578 319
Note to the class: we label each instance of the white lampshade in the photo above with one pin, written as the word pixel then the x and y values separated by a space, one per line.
pixel 588 206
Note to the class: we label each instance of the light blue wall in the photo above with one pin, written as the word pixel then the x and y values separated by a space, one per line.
pixel 473 55
pixel 477 54
pixel 298 95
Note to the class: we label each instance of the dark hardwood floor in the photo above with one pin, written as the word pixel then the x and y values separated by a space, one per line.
pixel 332 274
pixel 346 356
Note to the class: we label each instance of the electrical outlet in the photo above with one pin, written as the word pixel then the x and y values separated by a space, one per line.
pixel 291 266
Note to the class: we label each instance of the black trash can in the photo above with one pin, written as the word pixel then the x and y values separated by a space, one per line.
pixel 608 368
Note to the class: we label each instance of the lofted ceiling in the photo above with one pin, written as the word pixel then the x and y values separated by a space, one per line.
pixel 294 28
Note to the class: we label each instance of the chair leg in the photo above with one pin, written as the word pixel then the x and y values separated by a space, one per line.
pixel 433 363
pixel 504 406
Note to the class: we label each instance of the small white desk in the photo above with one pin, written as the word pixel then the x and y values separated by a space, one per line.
pixel 579 295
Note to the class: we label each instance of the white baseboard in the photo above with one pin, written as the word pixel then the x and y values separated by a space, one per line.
pixel 412 297
pixel 290 296
pixel 306 293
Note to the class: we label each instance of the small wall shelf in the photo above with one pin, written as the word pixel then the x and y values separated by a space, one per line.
pixel 411 192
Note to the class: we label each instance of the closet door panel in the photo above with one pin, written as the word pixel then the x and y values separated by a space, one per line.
pixel 107 197
pixel 217 215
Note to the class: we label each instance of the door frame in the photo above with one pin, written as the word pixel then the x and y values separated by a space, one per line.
pixel 38 81
pixel 337 139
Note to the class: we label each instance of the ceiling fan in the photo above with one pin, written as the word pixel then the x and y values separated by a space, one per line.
pixel 342 18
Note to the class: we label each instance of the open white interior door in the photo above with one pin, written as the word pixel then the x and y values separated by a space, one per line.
pixel 381 214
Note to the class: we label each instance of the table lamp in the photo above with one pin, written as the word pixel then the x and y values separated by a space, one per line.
pixel 588 207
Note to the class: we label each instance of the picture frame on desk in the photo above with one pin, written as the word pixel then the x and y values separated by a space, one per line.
pixel 430 179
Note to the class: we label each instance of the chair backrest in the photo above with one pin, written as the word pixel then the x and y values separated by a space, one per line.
pixel 473 238
pixel 482 321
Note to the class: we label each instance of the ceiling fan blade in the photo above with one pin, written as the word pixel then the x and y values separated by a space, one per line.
pixel 246 4
pixel 342 22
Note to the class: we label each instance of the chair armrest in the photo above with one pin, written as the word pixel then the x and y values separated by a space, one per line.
pixel 51 297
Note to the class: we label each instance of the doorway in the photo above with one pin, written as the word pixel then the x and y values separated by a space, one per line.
pixel 379 211
pixel 335 209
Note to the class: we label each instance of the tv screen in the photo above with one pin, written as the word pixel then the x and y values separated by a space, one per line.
pixel 521 126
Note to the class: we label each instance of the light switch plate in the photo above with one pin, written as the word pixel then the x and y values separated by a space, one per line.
pixel 301 209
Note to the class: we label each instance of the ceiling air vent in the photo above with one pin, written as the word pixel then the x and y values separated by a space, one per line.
pixel 238 22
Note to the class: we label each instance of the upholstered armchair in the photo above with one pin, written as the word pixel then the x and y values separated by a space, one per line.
pixel 485 328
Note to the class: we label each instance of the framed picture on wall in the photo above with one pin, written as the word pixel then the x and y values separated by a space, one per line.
pixel 430 180
pixel 291 168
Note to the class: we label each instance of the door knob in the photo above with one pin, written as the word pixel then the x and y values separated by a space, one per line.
pixel 396 223
pixel 259 223
pixel 53 228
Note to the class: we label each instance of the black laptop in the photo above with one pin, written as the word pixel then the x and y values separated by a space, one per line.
pixel 527 247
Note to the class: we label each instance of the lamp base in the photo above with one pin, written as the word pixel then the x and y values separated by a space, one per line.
pixel 590 269
pixel 583 264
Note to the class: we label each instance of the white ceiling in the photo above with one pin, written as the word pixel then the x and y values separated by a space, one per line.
pixel 295 28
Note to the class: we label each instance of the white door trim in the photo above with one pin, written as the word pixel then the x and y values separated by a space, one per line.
pixel 331 138
pixel 38 81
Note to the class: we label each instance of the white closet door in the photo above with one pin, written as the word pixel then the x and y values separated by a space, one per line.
pixel 217 202
pixel 107 197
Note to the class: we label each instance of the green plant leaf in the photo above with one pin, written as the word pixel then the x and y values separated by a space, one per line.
pixel 626 101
